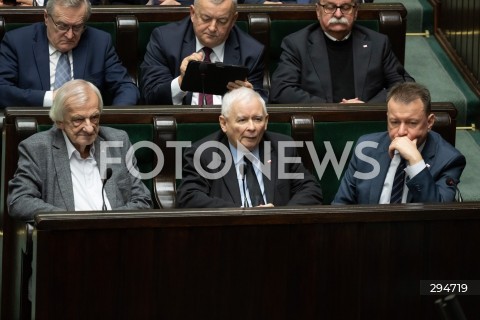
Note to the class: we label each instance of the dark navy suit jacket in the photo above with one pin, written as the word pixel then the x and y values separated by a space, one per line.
pixel 442 159
pixel 25 67
pixel 171 43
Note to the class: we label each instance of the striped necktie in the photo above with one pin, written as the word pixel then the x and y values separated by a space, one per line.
pixel 398 183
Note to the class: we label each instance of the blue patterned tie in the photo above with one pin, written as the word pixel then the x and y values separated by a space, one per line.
pixel 398 182
pixel 62 72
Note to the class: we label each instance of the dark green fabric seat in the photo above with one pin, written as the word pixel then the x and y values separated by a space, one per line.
pixel 338 134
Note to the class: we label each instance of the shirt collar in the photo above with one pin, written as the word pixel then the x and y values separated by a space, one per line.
pixel 218 50
pixel 239 159
pixel 334 39
pixel 72 150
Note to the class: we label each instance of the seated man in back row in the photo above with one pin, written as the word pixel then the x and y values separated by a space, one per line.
pixel 409 163
pixel 208 34
pixel 336 61
pixel 225 168
pixel 64 168
pixel 37 59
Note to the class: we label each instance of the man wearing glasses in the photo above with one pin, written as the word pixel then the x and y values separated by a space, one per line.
pixel 36 60
pixel 336 61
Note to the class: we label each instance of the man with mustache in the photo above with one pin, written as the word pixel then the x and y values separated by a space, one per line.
pixel 336 61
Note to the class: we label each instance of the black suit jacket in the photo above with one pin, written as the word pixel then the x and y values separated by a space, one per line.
pixel 171 43
pixel 196 191
pixel 303 73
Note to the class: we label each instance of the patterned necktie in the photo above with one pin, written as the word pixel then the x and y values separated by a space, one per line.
pixel 62 72
pixel 254 190
pixel 206 99
pixel 398 182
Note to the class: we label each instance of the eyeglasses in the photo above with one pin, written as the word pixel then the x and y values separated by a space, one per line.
pixel 330 8
pixel 65 27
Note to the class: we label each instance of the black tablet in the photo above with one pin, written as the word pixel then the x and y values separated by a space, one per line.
pixel 211 78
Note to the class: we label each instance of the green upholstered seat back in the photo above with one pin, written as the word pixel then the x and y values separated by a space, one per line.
pixel 281 28
pixel 196 131
pixel 338 134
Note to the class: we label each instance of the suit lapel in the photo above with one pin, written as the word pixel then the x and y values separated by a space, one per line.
pixel 79 57
pixel 232 50
pixel 428 154
pixel 41 56
pixel 188 47
pixel 62 168
pixel 317 51
pixel 270 161
pixel 110 185
pixel 361 60
pixel 381 155
pixel 230 179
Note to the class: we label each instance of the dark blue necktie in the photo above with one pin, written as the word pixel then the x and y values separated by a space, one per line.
pixel 398 182
pixel 254 190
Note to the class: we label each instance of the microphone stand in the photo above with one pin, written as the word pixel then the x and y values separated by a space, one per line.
pixel 452 183
pixel 104 182
pixel 203 71
pixel 245 202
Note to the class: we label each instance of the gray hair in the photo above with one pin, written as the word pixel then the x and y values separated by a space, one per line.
pixel 406 92
pixel 52 4
pixel 74 89
pixel 241 94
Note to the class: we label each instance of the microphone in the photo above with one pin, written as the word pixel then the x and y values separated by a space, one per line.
pixel 242 171
pixel 401 71
pixel 108 174
pixel 452 183
pixel 202 68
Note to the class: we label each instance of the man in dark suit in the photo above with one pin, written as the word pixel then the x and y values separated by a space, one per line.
pixel 61 169
pixel 225 168
pixel 409 163
pixel 211 27
pixel 335 61
pixel 29 58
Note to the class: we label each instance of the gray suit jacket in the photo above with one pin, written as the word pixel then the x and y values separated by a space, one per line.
pixel 443 160
pixel 43 179
pixel 303 72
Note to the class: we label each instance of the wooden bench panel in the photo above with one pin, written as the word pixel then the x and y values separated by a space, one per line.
pixel 296 263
